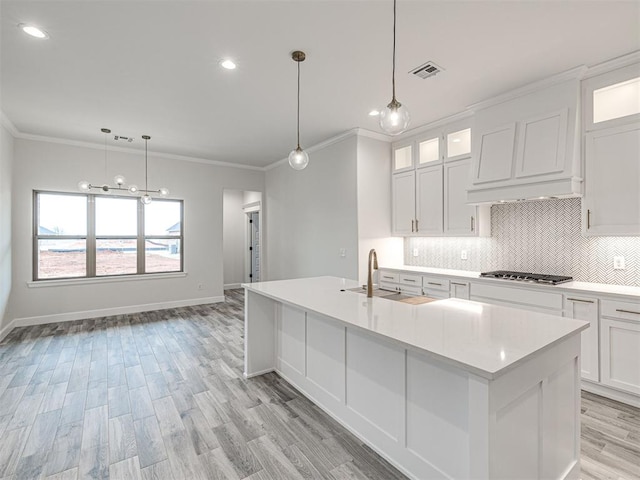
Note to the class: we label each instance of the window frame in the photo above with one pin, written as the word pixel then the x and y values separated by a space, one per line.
pixel 91 237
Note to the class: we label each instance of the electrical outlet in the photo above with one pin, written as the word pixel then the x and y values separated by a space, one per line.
pixel 201 286
pixel 618 263
pixel 343 252
pixel 415 252
pixel 463 255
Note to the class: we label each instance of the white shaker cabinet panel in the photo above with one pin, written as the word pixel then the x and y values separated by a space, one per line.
pixel 460 219
pixel 403 203
pixel 460 290
pixel 612 185
pixel 542 144
pixel 429 200
pixel 292 338
pixel 375 382
pixel 495 156
pixel 620 343
pixel 586 308
pixel 326 355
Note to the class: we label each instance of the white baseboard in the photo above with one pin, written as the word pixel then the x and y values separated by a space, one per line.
pixel 229 286
pixel 5 331
pixel 611 393
pixel 106 312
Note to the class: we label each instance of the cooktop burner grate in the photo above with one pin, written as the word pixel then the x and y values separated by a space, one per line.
pixel 527 277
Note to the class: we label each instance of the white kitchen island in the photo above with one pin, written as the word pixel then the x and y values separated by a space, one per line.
pixel 448 389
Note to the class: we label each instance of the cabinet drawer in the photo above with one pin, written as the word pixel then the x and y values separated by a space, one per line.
pixel 412 280
pixel 393 287
pixel 623 310
pixel 435 283
pixel 410 290
pixel 389 277
pixel 550 300
pixel 440 294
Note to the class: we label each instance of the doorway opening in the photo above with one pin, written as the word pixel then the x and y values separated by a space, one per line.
pixel 242 237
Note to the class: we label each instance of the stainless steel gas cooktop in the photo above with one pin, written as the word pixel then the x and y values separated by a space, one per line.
pixel 527 277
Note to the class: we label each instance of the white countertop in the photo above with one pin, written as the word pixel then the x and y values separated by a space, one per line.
pixel 575 287
pixel 484 339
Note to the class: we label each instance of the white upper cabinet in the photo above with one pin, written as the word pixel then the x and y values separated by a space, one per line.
pixel 403 157
pixel 403 203
pixel 429 152
pixel 429 201
pixel 430 197
pixel 611 204
pixel 526 143
pixel 458 144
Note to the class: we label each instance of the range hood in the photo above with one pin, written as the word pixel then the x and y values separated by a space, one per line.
pixel 526 143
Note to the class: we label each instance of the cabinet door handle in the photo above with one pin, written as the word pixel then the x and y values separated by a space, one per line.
pixel 412 223
pixel 408 280
pixel 416 225
pixel 387 276
pixel 434 283
pixel 579 300
pixel 626 311
pixel 472 224
pixel 588 219
pixel 460 284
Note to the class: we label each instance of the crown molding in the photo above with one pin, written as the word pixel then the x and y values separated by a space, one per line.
pixel 97 146
pixel 8 124
pixel 317 146
pixel 613 64
pixel 576 73
pixel 430 126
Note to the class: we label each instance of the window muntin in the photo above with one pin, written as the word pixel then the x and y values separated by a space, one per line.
pixel 87 235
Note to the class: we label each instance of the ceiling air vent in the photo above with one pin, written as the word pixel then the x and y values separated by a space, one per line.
pixel 426 70
pixel 122 137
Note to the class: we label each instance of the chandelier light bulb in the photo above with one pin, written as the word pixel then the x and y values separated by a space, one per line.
pixel 133 189
pixel 163 191
pixel 145 199
pixel 84 186
pixel 119 180
pixel 298 159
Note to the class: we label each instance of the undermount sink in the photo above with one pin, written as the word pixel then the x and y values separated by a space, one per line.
pixel 395 296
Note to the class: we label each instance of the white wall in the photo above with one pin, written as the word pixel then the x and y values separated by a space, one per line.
pixel 234 243
pixel 58 167
pixel 6 163
pixel 374 205
pixel 311 214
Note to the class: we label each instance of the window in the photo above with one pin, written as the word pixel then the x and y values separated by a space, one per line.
pixel 80 235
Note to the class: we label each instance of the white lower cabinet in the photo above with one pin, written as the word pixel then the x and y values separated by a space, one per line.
pixel 586 308
pixel 460 290
pixel 620 345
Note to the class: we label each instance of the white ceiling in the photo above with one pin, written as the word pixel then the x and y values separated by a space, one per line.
pixel 151 67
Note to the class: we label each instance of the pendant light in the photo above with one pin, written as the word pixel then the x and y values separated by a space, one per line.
pixel 134 190
pixel 394 118
pixel 298 158
pixel 119 180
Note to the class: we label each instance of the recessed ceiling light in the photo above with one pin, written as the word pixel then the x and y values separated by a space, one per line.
pixel 228 64
pixel 33 31
pixel 374 113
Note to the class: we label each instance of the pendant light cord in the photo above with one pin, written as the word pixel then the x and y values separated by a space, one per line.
pixel 146 166
pixel 393 72
pixel 298 119
pixel 105 156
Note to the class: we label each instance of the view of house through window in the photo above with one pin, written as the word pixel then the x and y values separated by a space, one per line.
pixel 80 235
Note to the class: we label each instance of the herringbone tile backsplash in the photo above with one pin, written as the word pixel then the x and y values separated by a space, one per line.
pixel 539 237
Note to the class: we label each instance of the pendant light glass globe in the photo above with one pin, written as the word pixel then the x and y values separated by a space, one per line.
pixel 133 189
pixel 119 180
pixel 146 199
pixel 298 159
pixel 394 118
pixel 84 186
pixel 163 191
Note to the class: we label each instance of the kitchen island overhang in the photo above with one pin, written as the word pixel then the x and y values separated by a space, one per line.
pixel 449 389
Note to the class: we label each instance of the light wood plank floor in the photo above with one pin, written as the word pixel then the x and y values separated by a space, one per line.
pixel 161 395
